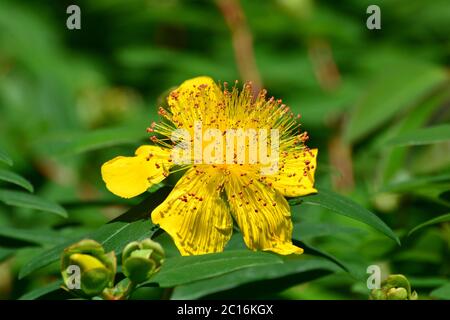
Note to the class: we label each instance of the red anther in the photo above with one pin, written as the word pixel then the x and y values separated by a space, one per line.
pixel 174 94
pixel 161 111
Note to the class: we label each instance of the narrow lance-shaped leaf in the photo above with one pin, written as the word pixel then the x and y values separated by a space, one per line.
pixel 26 200
pixel 292 266
pixel 6 253
pixel 317 252
pixel 113 236
pixel 442 292
pixel 308 230
pixel 42 290
pixel 396 157
pixel 39 236
pixel 5 158
pixel 393 91
pixel 348 208
pixel 12 177
pixel 181 270
pixel 440 219
pixel 133 225
pixel 435 134
pixel 415 183
pixel 79 142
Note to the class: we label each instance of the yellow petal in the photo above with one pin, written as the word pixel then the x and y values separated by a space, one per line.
pixel 263 215
pixel 130 176
pixel 295 175
pixel 194 214
pixel 195 99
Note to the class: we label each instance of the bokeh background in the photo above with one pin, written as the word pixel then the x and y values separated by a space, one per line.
pixel 72 99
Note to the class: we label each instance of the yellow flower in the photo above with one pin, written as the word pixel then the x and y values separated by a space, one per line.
pixel 198 213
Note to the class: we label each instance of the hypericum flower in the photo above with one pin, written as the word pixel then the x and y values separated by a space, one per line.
pixel 198 213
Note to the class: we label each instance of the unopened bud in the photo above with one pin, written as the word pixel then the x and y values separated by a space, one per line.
pixel 140 260
pixel 96 268
pixel 395 287
pixel 397 294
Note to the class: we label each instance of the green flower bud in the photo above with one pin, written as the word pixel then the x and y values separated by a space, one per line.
pixel 397 294
pixel 395 287
pixel 397 281
pixel 377 294
pixel 87 269
pixel 140 260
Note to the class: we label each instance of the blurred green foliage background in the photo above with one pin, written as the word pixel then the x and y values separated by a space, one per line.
pixel 72 99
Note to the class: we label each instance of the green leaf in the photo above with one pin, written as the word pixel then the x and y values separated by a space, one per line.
pixel 182 270
pixel 429 135
pixel 308 230
pixel 396 157
pixel 442 218
pixel 292 266
pixel 155 187
pixel 312 250
pixel 118 234
pixel 44 236
pixel 5 158
pixel 393 92
pixel 26 200
pixel 442 292
pixel 418 255
pixel 426 282
pixel 113 236
pixel 346 207
pixel 44 259
pixel 80 142
pixel 13 177
pixel 415 183
pixel 41 291
pixel 5 253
